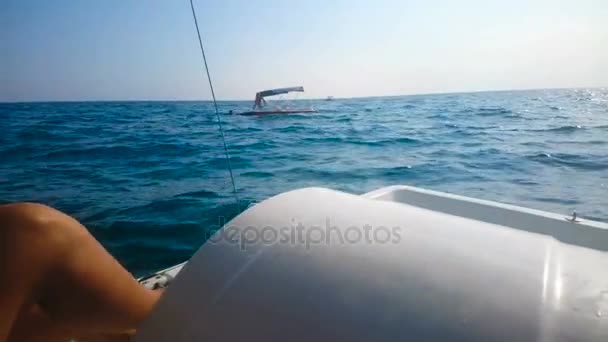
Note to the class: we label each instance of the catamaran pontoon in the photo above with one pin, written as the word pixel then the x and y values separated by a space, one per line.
pixel 433 267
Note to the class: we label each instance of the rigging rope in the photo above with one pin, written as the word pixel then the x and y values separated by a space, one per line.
pixel 217 112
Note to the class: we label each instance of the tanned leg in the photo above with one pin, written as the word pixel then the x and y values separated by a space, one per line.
pixel 57 281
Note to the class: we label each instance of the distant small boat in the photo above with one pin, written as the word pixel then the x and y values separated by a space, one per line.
pixel 329 98
pixel 261 107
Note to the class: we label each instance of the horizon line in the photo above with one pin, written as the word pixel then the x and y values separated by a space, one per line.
pixel 315 98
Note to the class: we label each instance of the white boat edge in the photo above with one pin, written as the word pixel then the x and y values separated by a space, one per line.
pixel 580 231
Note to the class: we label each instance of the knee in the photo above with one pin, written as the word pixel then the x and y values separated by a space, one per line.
pixel 27 214
pixel 33 221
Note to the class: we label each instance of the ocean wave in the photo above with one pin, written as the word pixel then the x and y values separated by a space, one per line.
pixel 577 142
pixel 399 171
pixel 583 162
pixel 252 145
pixel 316 173
pixel 533 144
pixel 150 149
pixel 159 207
pixel 198 194
pixel 463 132
pixel 241 130
pixel 383 142
pixel 487 111
pixel 43 134
pixel 291 129
pixel 561 129
pixel 257 174
pixel 343 119
pixel 222 163
pixel 365 142
pixel 526 182
pixel 178 171
pixel 560 200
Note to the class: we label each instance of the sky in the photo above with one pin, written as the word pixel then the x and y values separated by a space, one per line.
pixel 147 50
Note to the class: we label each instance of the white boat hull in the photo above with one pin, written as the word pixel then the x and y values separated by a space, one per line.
pixel 462 270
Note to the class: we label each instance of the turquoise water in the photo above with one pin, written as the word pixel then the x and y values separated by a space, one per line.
pixel 149 178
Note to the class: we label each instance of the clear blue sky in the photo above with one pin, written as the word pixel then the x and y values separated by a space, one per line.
pixel 136 49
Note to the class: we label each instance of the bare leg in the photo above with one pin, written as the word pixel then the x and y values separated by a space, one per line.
pixel 57 281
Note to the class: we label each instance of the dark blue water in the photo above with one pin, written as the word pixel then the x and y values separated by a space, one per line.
pixel 149 178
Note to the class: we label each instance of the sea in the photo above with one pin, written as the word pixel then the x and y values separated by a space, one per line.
pixel 150 179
